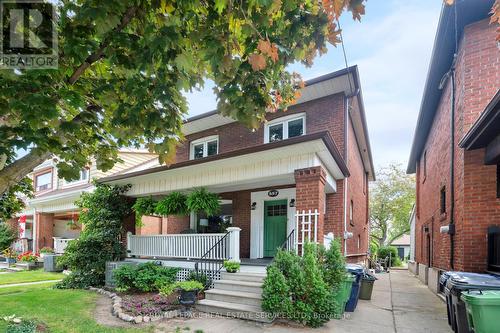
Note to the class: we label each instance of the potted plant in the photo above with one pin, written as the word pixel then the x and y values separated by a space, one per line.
pixel 10 256
pixel 203 201
pixel 189 291
pixel 231 266
pixel 46 250
pixel 29 259
pixel 172 204
pixel 143 206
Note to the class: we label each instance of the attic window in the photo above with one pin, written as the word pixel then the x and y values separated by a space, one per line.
pixel 442 198
pixel 284 128
pixel 204 147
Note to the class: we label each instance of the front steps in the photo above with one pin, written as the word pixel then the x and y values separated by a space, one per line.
pixel 236 295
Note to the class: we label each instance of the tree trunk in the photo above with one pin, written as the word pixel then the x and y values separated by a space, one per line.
pixel 13 173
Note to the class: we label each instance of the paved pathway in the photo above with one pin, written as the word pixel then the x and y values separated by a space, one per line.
pixel 400 304
pixel 26 283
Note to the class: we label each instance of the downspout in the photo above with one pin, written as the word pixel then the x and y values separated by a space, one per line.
pixel 452 167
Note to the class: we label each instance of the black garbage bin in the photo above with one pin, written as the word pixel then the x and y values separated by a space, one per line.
pixel 366 289
pixel 357 271
pixel 442 287
pixel 462 282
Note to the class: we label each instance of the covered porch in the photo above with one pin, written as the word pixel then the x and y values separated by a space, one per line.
pixel 271 196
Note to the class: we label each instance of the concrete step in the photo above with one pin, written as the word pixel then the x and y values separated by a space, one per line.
pixel 250 277
pixel 244 286
pixel 241 311
pixel 230 296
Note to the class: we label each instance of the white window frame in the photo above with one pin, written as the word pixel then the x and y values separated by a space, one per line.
pixel 204 141
pixel 80 180
pixel 284 121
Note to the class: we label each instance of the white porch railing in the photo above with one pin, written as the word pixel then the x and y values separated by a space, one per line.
pixel 188 246
pixel 60 244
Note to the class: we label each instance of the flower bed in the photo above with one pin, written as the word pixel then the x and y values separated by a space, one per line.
pixel 149 304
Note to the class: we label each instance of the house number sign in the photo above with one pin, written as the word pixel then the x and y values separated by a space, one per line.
pixel 273 193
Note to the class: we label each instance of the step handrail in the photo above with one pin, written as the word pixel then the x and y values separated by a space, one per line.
pixel 212 267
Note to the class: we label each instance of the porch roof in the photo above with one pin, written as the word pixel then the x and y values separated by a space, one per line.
pixel 269 164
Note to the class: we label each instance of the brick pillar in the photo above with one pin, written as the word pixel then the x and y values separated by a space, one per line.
pixel 310 194
pixel 44 230
pixel 176 224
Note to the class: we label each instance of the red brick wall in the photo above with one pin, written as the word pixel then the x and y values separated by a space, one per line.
pixel 175 224
pixel 44 230
pixel 357 193
pixel 325 114
pixel 241 217
pixel 151 225
pixel 477 80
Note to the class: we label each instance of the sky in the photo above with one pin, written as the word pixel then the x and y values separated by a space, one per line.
pixel 392 47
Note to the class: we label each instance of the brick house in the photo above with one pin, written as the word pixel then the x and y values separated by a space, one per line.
pixel 50 218
pixel 455 152
pixel 315 156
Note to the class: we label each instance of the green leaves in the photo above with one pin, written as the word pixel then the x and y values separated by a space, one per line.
pixel 173 204
pixel 201 200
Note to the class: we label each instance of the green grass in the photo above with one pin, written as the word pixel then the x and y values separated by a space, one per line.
pixel 61 310
pixel 29 276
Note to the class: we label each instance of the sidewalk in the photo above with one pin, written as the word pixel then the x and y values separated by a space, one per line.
pixel 400 304
pixel 27 283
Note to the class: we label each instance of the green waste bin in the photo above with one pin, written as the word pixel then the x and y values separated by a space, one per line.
pixel 483 308
pixel 342 295
pixel 365 292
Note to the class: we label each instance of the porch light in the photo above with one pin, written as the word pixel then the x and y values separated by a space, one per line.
pixel 292 203
pixel 254 205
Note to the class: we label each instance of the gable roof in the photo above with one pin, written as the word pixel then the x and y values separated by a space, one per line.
pixel 468 11
pixel 346 81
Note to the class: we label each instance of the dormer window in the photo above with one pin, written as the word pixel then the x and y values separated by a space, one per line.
pixel 84 177
pixel 43 181
pixel 204 147
pixel 284 128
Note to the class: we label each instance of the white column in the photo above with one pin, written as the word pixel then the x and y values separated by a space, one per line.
pixel 128 244
pixel 34 231
pixel 234 243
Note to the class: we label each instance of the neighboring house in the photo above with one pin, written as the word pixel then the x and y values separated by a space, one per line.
pixel 456 148
pixel 402 244
pixel 412 235
pixel 50 218
pixel 315 156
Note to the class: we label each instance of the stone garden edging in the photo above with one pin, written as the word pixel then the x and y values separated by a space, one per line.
pixel 119 312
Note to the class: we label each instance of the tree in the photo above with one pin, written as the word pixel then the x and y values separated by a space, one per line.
pixel 11 201
pixel 391 200
pixel 124 64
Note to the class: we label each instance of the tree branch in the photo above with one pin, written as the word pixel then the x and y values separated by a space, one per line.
pixel 99 53
pixel 399 234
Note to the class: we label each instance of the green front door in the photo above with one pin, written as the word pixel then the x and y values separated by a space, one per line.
pixel 274 226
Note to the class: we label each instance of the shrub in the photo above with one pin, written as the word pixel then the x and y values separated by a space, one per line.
pixel 200 277
pixel 294 288
pixel 102 213
pixel 201 200
pixel 172 204
pixel 167 289
pixel 7 236
pixel 27 256
pixel 46 250
pixel 389 251
pixel 231 266
pixel 333 265
pixel 143 277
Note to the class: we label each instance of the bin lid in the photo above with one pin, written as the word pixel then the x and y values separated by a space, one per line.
pixel 355 268
pixel 369 277
pixel 466 281
pixel 446 275
pixel 482 297
pixel 350 277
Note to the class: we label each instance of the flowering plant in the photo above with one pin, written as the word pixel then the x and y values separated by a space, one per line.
pixel 151 306
pixel 27 256
pixel 46 250
pixel 9 253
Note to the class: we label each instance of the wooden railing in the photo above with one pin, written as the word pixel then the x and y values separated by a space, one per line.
pixel 188 246
pixel 60 244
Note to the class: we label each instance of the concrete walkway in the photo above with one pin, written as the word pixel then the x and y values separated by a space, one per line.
pixel 400 304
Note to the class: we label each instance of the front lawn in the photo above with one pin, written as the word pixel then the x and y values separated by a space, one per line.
pixel 61 310
pixel 29 276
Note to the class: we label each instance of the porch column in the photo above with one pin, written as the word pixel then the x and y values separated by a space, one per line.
pixel 44 231
pixel 234 243
pixel 310 195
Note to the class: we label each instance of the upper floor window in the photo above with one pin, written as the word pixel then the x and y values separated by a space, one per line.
pixel 351 213
pixel 43 181
pixel 442 200
pixel 84 177
pixel 425 165
pixel 204 147
pixel 284 128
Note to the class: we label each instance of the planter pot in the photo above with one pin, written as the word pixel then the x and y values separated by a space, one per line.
pixel 28 265
pixel 188 298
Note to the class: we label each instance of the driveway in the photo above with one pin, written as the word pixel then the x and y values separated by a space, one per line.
pixel 400 304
